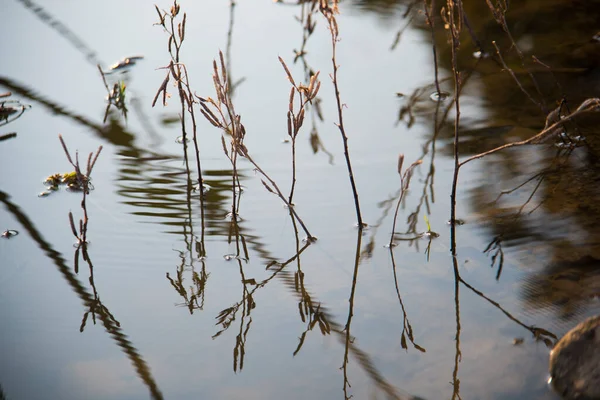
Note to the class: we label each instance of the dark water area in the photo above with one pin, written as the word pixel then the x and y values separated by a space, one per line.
pixel 170 296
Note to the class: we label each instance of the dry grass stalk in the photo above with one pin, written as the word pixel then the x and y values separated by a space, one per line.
pixel 179 73
pixel 221 114
pixel 329 11
pixel 452 15
pixel 306 94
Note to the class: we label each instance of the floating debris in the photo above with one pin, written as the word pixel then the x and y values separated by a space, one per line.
pixel 124 65
pixel 569 142
pixel 7 111
pixel 69 179
pixel 481 55
pixel 79 243
pixel 230 216
pixel 11 110
pixel 439 97
pixel 229 257
pixel 431 234
pixel 7 234
pixel 310 239
pixel 205 188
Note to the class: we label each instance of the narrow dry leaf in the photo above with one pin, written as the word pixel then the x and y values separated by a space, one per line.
pixel 292 92
pixel 176 74
pixel 183 26
pixel 72 223
pixel 223 69
pixel 267 186
pixel 213 122
pixel 64 145
pixel 160 16
pixel 313 79
pixel 94 160
pixel 76 260
pixel 294 127
pixel 218 89
pixel 89 162
pixel 300 118
pixel 422 350
pixel 224 146
pixel 185 97
pixel 314 93
pixel 162 89
pixel 400 162
pixel 287 71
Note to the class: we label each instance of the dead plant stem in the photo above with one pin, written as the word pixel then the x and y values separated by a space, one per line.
pixel 329 14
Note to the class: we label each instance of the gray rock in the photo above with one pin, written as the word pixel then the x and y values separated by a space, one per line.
pixel 575 362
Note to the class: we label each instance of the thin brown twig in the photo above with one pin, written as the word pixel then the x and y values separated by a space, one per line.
pixel 329 12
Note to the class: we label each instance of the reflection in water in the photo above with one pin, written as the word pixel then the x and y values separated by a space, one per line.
pixel 554 190
pixel 112 326
pixel 116 96
pixel 10 110
pixel 62 30
pixel 549 212
pixel 351 313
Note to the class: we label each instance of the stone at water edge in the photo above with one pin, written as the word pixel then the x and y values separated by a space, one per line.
pixel 575 362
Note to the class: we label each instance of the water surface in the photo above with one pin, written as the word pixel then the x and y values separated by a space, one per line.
pixel 183 303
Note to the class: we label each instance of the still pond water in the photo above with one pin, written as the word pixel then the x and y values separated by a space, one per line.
pixel 181 304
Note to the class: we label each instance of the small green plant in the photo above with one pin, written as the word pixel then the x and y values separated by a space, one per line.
pixel 427 222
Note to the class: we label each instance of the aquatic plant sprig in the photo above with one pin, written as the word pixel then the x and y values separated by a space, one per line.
pixel 306 94
pixel 83 181
pixel 116 96
pixel 221 114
